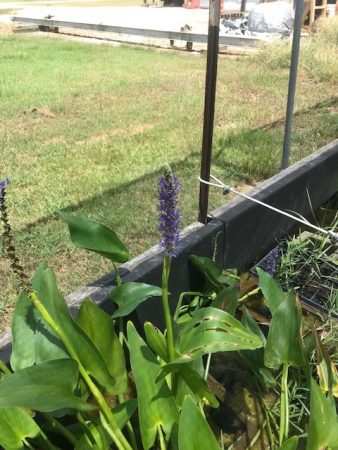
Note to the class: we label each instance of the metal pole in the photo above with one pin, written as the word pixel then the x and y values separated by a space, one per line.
pixel 243 6
pixel 292 81
pixel 209 105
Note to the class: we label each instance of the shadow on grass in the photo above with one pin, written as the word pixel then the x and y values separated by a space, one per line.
pixel 243 156
pixel 256 154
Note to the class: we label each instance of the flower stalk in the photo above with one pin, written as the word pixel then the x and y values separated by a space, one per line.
pixel 117 435
pixel 169 225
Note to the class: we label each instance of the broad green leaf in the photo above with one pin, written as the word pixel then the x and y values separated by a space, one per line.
pixel 227 299
pixel 194 432
pixel 82 345
pixel 272 292
pixel 211 270
pixel 99 326
pixel 323 424
pixel 129 295
pixel 284 344
pixel 255 358
pixel 16 425
pixel 124 411
pixel 290 444
pixel 212 330
pixel 43 387
pixel 156 405
pixel 156 341
pixel 194 381
pixel 33 340
pixel 96 237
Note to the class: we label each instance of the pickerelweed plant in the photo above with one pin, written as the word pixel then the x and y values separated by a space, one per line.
pixel 73 372
pixel 68 387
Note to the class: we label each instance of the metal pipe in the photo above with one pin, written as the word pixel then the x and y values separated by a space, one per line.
pixel 243 6
pixel 299 5
pixel 209 105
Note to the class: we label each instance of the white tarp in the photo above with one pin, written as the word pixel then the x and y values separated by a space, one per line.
pixel 274 17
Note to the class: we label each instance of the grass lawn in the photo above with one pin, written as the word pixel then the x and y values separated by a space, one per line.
pixel 88 128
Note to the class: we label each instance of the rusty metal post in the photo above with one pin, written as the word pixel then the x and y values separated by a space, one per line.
pixel 209 105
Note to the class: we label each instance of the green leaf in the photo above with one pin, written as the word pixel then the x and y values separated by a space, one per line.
pixel 194 381
pixel 96 237
pixel 82 345
pixel 99 326
pixel 33 340
pixel 16 425
pixel 212 330
pixel 129 295
pixel 194 432
pixel 255 358
pixel 284 344
pixel 156 341
pixel 323 424
pixel 156 405
pixel 43 387
pixel 211 270
pixel 290 444
pixel 124 411
pixel 227 299
pixel 95 438
pixel 272 292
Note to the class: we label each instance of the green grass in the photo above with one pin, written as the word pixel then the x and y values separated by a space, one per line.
pixel 88 128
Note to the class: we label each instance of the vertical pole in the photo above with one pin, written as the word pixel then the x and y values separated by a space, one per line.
pixel 292 82
pixel 243 6
pixel 209 105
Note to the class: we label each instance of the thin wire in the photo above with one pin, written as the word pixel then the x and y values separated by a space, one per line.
pixel 226 188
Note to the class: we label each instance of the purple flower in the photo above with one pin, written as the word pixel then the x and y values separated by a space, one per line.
pixel 3 184
pixel 169 215
pixel 271 261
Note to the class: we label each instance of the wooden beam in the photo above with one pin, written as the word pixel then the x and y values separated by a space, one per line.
pixel 242 41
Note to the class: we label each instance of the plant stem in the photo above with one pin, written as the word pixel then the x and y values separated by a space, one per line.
pixel 119 439
pixel 27 444
pixel 4 369
pixel 166 310
pixel 59 427
pixel 120 319
pixel 248 295
pixel 162 441
pixel 180 300
pixel 47 444
pixel 129 427
pixel 207 367
pixel 284 408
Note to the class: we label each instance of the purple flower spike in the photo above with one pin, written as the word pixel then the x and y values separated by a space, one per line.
pixel 271 261
pixel 3 184
pixel 169 215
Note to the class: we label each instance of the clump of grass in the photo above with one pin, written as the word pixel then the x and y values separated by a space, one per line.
pixel 318 54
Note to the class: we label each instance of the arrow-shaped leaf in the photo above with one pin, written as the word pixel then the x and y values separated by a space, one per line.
pixel 156 405
pixel 43 387
pixel 130 295
pixel 16 425
pixel 212 330
pixel 194 432
pixel 96 237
